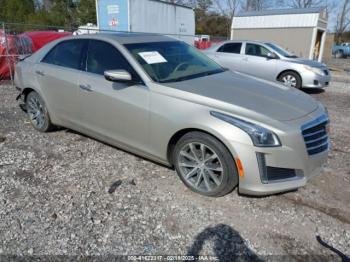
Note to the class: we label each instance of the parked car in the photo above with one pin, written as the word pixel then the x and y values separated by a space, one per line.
pixel 271 62
pixel 341 51
pixel 164 100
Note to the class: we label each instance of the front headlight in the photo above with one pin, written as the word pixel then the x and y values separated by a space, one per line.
pixel 316 70
pixel 260 136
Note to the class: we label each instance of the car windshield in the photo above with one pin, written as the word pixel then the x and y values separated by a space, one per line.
pixel 280 50
pixel 172 61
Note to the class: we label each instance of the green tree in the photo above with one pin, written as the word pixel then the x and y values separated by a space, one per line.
pixel 86 12
pixel 40 17
pixel 63 12
pixel 16 10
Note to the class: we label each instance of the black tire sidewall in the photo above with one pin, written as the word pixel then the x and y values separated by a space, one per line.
pixel 48 125
pixel 230 174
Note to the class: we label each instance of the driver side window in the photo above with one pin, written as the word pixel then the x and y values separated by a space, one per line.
pixel 103 56
pixel 256 50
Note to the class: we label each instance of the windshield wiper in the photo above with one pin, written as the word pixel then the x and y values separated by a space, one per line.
pixel 178 79
pixel 23 57
pixel 183 78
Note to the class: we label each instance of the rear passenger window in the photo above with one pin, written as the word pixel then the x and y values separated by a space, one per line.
pixel 103 56
pixel 67 54
pixel 233 48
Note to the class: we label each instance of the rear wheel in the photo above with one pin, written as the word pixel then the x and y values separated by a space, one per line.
pixel 205 165
pixel 290 79
pixel 37 112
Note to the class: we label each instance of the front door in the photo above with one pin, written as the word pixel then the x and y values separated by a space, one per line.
pixel 116 110
pixel 256 63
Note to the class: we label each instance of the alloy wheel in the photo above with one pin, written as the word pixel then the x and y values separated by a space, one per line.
pixel 200 166
pixel 36 112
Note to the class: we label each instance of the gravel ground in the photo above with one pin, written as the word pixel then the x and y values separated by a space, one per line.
pixel 340 69
pixel 56 195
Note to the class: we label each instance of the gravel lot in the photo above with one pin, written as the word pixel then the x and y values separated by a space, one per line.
pixel 56 199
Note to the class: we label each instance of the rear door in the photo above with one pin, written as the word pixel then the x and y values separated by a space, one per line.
pixel 58 74
pixel 256 63
pixel 229 55
pixel 116 110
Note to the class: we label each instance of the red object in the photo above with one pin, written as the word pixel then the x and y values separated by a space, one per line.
pixel 26 43
pixel 4 60
pixel 202 43
pixel 41 38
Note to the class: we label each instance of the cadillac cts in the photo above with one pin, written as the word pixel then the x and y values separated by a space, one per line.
pixel 162 99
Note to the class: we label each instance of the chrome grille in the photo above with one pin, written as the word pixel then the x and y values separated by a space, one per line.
pixel 315 135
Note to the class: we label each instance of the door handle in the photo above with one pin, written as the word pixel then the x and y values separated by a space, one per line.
pixel 40 73
pixel 245 59
pixel 86 88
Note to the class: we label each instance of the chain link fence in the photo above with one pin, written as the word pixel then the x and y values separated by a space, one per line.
pixel 18 40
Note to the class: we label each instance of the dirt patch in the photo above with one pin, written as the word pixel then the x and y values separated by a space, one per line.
pixel 329 211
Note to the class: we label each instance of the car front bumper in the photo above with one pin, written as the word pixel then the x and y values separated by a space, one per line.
pixel 313 80
pixel 283 158
pixel 290 165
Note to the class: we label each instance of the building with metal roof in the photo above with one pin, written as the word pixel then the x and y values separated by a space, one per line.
pixel 301 31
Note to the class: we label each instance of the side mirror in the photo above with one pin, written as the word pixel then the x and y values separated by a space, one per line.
pixel 117 76
pixel 271 55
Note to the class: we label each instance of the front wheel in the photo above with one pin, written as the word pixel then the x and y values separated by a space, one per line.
pixel 37 112
pixel 290 79
pixel 339 54
pixel 205 165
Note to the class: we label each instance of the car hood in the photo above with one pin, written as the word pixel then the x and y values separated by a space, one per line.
pixel 241 94
pixel 308 62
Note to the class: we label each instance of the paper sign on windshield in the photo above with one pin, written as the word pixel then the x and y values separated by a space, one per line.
pixel 152 57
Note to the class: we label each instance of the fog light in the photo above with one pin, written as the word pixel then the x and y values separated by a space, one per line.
pixel 316 82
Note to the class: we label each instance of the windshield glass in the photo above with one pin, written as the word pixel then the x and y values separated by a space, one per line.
pixel 280 50
pixel 172 61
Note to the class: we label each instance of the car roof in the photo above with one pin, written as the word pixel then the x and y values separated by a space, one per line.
pixel 126 37
pixel 250 41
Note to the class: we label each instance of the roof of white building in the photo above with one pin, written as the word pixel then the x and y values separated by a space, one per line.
pixel 280 18
pixel 310 10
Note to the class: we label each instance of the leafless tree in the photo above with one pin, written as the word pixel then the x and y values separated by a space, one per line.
pixel 228 9
pixel 191 3
pixel 47 4
pixel 343 20
pixel 306 3
pixel 256 5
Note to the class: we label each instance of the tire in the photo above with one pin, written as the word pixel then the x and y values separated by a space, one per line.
pixel 37 112
pixel 291 79
pixel 215 177
pixel 339 54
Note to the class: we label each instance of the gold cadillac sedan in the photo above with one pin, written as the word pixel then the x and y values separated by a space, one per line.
pixel 162 99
